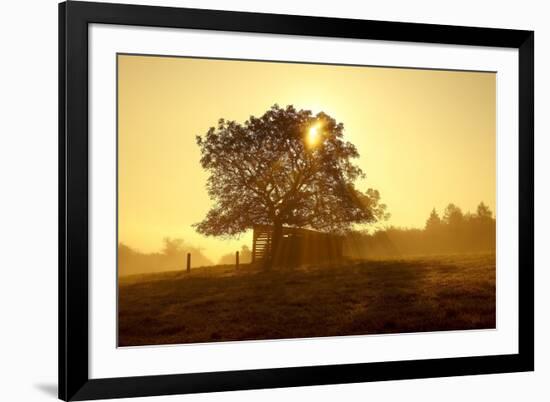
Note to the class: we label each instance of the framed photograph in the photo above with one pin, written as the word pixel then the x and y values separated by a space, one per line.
pixel 257 200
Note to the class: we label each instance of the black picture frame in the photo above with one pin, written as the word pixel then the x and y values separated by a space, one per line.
pixel 74 381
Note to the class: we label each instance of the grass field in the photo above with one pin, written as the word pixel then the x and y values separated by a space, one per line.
pixel 369 297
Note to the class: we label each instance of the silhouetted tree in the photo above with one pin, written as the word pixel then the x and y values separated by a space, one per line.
pixel 434 221
pixel 453 215
pixel 287 167
pixel 172 246
pixel 483 211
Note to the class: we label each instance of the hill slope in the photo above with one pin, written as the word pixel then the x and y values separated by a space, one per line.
pixel 370 297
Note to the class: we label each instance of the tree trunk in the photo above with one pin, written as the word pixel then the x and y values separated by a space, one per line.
pixel 276 240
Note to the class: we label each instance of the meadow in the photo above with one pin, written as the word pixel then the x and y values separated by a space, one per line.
pixel 222 303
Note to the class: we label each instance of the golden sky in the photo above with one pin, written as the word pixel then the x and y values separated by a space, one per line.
pixel 426 138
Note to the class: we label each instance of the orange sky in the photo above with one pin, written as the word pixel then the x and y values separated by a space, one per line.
pixel 426 138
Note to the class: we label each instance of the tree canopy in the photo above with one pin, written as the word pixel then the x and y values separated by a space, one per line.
pixel 287 167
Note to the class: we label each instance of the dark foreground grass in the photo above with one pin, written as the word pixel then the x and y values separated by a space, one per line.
pixel 372 297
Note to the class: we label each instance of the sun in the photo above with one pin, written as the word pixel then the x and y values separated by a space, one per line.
pixel 313 135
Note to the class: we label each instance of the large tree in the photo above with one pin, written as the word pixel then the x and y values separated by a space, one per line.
pixel 287 167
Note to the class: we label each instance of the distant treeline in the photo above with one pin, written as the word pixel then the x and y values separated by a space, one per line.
pixel 453 232
pixel 172 257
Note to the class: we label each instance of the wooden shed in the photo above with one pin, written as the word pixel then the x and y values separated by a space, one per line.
pixel 298 246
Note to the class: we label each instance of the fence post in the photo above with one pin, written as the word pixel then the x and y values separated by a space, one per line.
pixel 237 260
pixel 188 262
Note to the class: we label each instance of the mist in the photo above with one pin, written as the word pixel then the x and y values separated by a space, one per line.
pixel 453 233
pixel 172 257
